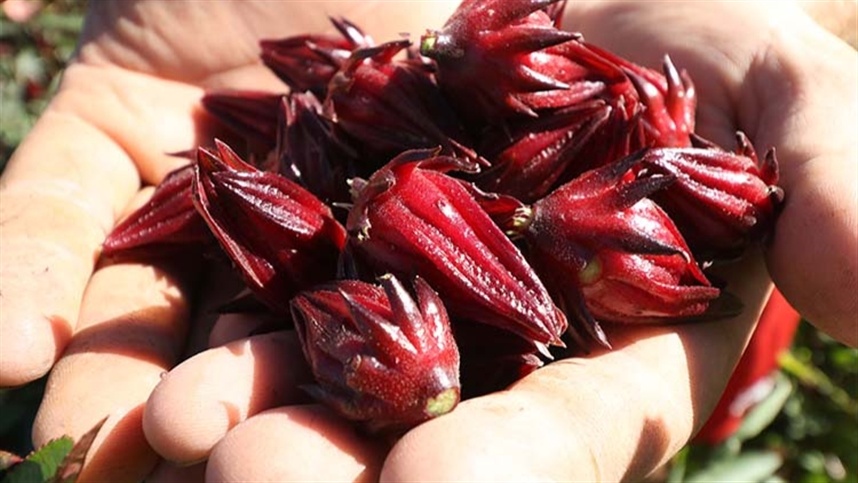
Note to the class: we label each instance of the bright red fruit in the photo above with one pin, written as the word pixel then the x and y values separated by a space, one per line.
pixel 379 355
pixel 411 218
pixel 388 106
pixel 167 220
pixel 610 254
pixel 721 201
pixel 307 62
pixel 490 54
pixel 279 236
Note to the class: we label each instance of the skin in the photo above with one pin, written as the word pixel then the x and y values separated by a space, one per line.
pixel 112 331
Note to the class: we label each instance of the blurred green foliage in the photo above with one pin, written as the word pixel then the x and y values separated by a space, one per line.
pixel 32 56
pixel 806 431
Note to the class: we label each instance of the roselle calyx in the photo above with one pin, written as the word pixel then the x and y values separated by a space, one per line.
pixel 308 62
pixel 610 254
pixel 388 106
pixel 280 237
pixel 166 222
pixel 721 201
pixel 530 157
pixel 380 355
pixel 490 54
pixel 667 101
pixel 412 218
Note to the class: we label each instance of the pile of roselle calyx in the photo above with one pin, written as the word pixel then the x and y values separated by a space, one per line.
pixel 438 221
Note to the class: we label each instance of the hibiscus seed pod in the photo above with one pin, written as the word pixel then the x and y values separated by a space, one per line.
pixel 167 221
pixel 307 62
pixel 278 235
pixel 721 201
pixel 380 356
pixel 388 106
pixel 529 156
pixel 504 41
pixel 411 218
pixel 611 254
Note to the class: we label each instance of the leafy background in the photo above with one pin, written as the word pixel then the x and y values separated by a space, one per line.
pixel 805 431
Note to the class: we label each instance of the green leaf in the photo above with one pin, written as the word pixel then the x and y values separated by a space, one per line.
pixel 73 462
pixel 58 461
pixel 42 464
pixel 750 466
pixel 762 415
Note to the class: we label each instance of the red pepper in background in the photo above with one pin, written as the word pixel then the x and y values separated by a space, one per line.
pixel 750 382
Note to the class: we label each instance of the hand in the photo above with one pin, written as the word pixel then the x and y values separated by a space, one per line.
pixel 130 96
pixel 571 419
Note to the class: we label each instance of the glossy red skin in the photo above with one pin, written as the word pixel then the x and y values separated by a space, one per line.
pixel 530 157
pixel 612 255
pixel 308 62
pixel 279 236
pixel 489 53
pixel 721 201
pixel 379 355
pixel 167 221
pixel 412 219
pixel 388 106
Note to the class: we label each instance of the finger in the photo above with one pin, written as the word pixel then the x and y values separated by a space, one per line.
pixel 196 403
pixel 295 443
pixel 810 119
pixel 232 327
pixel 60 195
pixel 57 201
pixel 612 417
pixel 131 330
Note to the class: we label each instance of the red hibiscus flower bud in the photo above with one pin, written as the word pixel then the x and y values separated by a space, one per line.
pixel 379 355
pixel 667 101
pixel 168 220
pixel 529 156
pixel 492 53
pixel 390 106
pixel 612 255
pixel 720 200
pixel 410 217
pixel 307 62
pixel 278 235
pixel 670 103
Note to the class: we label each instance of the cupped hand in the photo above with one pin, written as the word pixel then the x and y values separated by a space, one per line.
pixel 132 95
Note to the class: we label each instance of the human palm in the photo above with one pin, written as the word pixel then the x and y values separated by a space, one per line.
pixel 133 95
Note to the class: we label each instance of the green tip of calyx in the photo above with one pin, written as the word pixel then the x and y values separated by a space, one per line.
pixel 443 403
pixel 522 218
pixel 591 271
pixel 427 43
